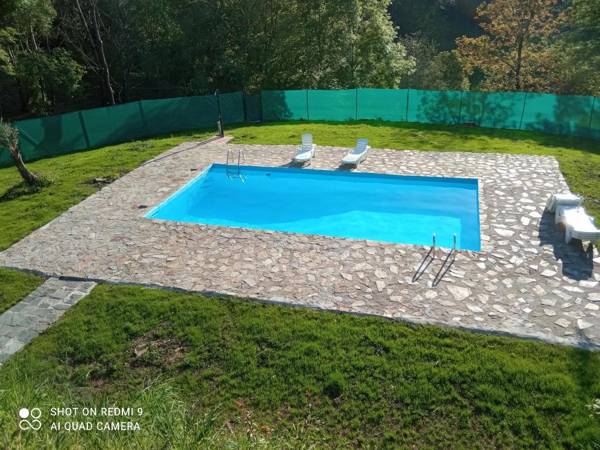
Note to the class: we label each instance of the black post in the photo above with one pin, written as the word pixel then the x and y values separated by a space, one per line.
pixel 244 100
pixel 219 116
pixel 523 111
pixel 590 129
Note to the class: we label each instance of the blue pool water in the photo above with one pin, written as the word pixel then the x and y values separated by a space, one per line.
pixel 391 208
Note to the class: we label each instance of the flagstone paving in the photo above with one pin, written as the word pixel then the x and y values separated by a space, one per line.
pixel 36 312
pixel 526 281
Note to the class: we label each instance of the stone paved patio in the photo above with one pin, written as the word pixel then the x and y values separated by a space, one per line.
pixel 525 281
pixel 36 312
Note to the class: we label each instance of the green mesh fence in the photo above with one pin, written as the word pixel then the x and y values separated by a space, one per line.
pixel 557 114
pixel 48 136
pixel 502 110
pixel 51 136
pixel 338 105
pixel 232 107
pixel 252 108
pixel 441 107
pixel 91 128
pixel 472 106
pixel 104 126
pixel 382 104
pixel 178 114
pixel 284 105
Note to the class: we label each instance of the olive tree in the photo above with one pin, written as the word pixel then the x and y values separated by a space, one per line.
pixel 9 139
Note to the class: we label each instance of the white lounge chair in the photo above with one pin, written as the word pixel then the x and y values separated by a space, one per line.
pixel 578 225
pixel 357 154
pixel 556 200
pixel 306 151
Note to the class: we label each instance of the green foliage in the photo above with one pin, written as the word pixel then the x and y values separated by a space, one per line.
pixel 9 135
pixel 48 75
pixel 515 51
pixel 290 377
pixel 445 72
pixel 434 69
pixel 440 21
pixel 44 75
pixel 579 49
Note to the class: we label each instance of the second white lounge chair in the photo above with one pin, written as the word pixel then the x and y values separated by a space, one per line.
pixel 357 154
pixel 556 200
pixel 306 151
pixel 578 225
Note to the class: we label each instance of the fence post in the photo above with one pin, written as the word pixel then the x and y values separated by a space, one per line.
pixel 307 110
pixel 460 108
pixel 355 103
pixel 590 134
pixel 84 129
pixel 244 107
pixel 143 116
pixel 523 111
pixel 407 100
pixel 219 116
pixel 260 106
pixel 483 104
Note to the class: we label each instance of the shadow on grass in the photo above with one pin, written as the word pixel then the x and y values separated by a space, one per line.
pixel 585 371
pixel 23 189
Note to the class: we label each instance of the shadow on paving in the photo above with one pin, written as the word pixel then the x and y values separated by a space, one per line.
pixel 577 260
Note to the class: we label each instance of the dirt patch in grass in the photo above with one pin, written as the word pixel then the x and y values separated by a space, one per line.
pixel 157 349
pixel 100 182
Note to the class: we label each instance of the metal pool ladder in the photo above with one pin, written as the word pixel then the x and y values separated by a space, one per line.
pixel 430 257
pixel 233 169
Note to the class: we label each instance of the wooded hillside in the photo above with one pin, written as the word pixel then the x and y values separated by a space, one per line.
pixel 59 55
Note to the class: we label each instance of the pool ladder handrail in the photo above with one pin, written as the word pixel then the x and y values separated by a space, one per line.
pixel 446 264
pixel 425 262
pixel 231 160
pixel 430 256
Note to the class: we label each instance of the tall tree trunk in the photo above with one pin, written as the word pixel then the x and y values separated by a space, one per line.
pixel 97 44
pixel 28 176
pixel 105 68
pixel 518 65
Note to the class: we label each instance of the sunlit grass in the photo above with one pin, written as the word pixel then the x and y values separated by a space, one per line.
pixel 216 373
pixel 220 372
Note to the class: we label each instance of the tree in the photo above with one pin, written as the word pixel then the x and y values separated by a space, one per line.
pixel 43 74
pixel 434 69
pixel 579 50
pixel 440 21
pixel 444 72
pixel 515 51
pixel 82 26
pixel 9 139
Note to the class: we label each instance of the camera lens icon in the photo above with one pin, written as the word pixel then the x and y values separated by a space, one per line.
pixel 34 414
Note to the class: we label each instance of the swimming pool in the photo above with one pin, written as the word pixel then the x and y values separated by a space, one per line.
pixel 390 208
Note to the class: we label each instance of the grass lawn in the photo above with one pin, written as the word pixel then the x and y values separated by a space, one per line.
pixel 217 373
pixel 22 210
pixel 222 373
pixel 14 286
